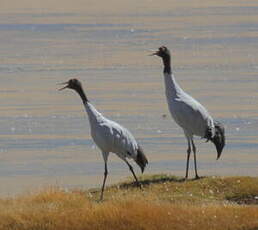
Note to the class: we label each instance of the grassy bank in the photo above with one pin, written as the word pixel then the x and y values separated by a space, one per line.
pixel 165 202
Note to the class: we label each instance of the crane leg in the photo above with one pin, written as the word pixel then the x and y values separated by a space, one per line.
pixel 104 181
pixel 195 164
pixel 105 157
pixel 188 156
pixel 131 169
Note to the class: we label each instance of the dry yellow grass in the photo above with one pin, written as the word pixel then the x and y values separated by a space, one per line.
pixel 163 203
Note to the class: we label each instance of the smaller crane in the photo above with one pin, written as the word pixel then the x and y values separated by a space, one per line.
pixel 109 136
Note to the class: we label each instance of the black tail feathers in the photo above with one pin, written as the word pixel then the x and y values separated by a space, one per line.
pixel 219 137
pixel 141 159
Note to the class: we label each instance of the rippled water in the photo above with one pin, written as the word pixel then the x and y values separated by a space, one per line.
pixel 44 135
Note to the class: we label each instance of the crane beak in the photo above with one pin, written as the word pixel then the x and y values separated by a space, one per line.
pixel 63 83
pixel 153 54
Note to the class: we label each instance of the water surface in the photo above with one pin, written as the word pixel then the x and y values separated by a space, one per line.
pixel 44 135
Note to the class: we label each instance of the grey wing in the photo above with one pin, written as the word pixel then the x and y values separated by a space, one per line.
pixel 193 117
pixel 123 142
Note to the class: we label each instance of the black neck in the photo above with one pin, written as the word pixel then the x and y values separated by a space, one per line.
pixel 80 91
pixel 167 66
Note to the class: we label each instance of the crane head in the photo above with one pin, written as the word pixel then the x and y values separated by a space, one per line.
pixel 162 52
pixel 72 84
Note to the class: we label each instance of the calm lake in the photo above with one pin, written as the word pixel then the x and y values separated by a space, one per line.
pixel 44 135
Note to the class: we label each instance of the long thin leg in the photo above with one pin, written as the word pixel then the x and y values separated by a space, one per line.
pixel 104 181
pixel 105 157
pixel 195 164
pixel 188 156
pixel 131 169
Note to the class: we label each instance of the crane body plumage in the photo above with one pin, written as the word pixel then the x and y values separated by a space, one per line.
pixel 189 114
pixel 109 136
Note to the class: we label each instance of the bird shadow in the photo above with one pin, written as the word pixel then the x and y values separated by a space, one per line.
pixel 159 179
pixel 147 181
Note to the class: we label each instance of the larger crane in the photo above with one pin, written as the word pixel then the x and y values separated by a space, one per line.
pixel 109 136
pixel 188 113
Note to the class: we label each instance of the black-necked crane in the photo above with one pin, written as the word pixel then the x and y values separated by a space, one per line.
pixel 109 136
pixel 188 113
